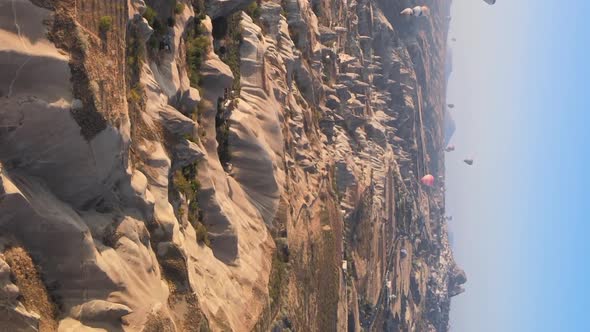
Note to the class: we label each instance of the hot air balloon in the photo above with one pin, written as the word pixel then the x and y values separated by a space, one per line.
pixel 450 148
pixel 416 11
pixel 451 105
pixel 490 2
pixel 468 161
pixel 428 180
pixel 407 12
pixel 454 39
pixel 421 11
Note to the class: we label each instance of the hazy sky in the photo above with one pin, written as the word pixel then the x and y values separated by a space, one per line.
pixel 521 230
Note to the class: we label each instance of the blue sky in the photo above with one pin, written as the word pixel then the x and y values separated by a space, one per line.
pixel 521 230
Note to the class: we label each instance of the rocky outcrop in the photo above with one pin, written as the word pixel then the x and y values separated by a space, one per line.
pixel 456 280
pixel 224 165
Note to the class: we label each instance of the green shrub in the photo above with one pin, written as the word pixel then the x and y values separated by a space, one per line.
pixel 233 41
pixel 81 40
pixel 135 52
pixel 131 60
pixel 150 15
pixel 202 43
pixel 182 184
pixel 202 236
pixel 186 182
pixel 223 144
pixel 135 94
pixel 197 48
pixel 135 56
pixel 178 8
pixel 159 29
pixel 222 134
pixel 253 10
pixel 198 110
pixel 105 24
pixel 278 276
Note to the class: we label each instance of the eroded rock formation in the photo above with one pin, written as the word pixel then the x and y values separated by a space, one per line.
pixel 223 165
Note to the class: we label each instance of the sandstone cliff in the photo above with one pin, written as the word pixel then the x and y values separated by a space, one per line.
pixel 222 165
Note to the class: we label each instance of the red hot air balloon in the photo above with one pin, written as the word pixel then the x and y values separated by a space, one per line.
pixel 427 180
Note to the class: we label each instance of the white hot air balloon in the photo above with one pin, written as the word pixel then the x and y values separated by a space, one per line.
pixel 407 12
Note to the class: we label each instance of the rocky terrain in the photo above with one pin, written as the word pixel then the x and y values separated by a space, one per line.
pixel 223 165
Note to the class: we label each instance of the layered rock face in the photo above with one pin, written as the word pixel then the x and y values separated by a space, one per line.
pixel 223 165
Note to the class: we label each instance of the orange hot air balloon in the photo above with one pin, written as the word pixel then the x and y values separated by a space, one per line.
pixel 428 180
